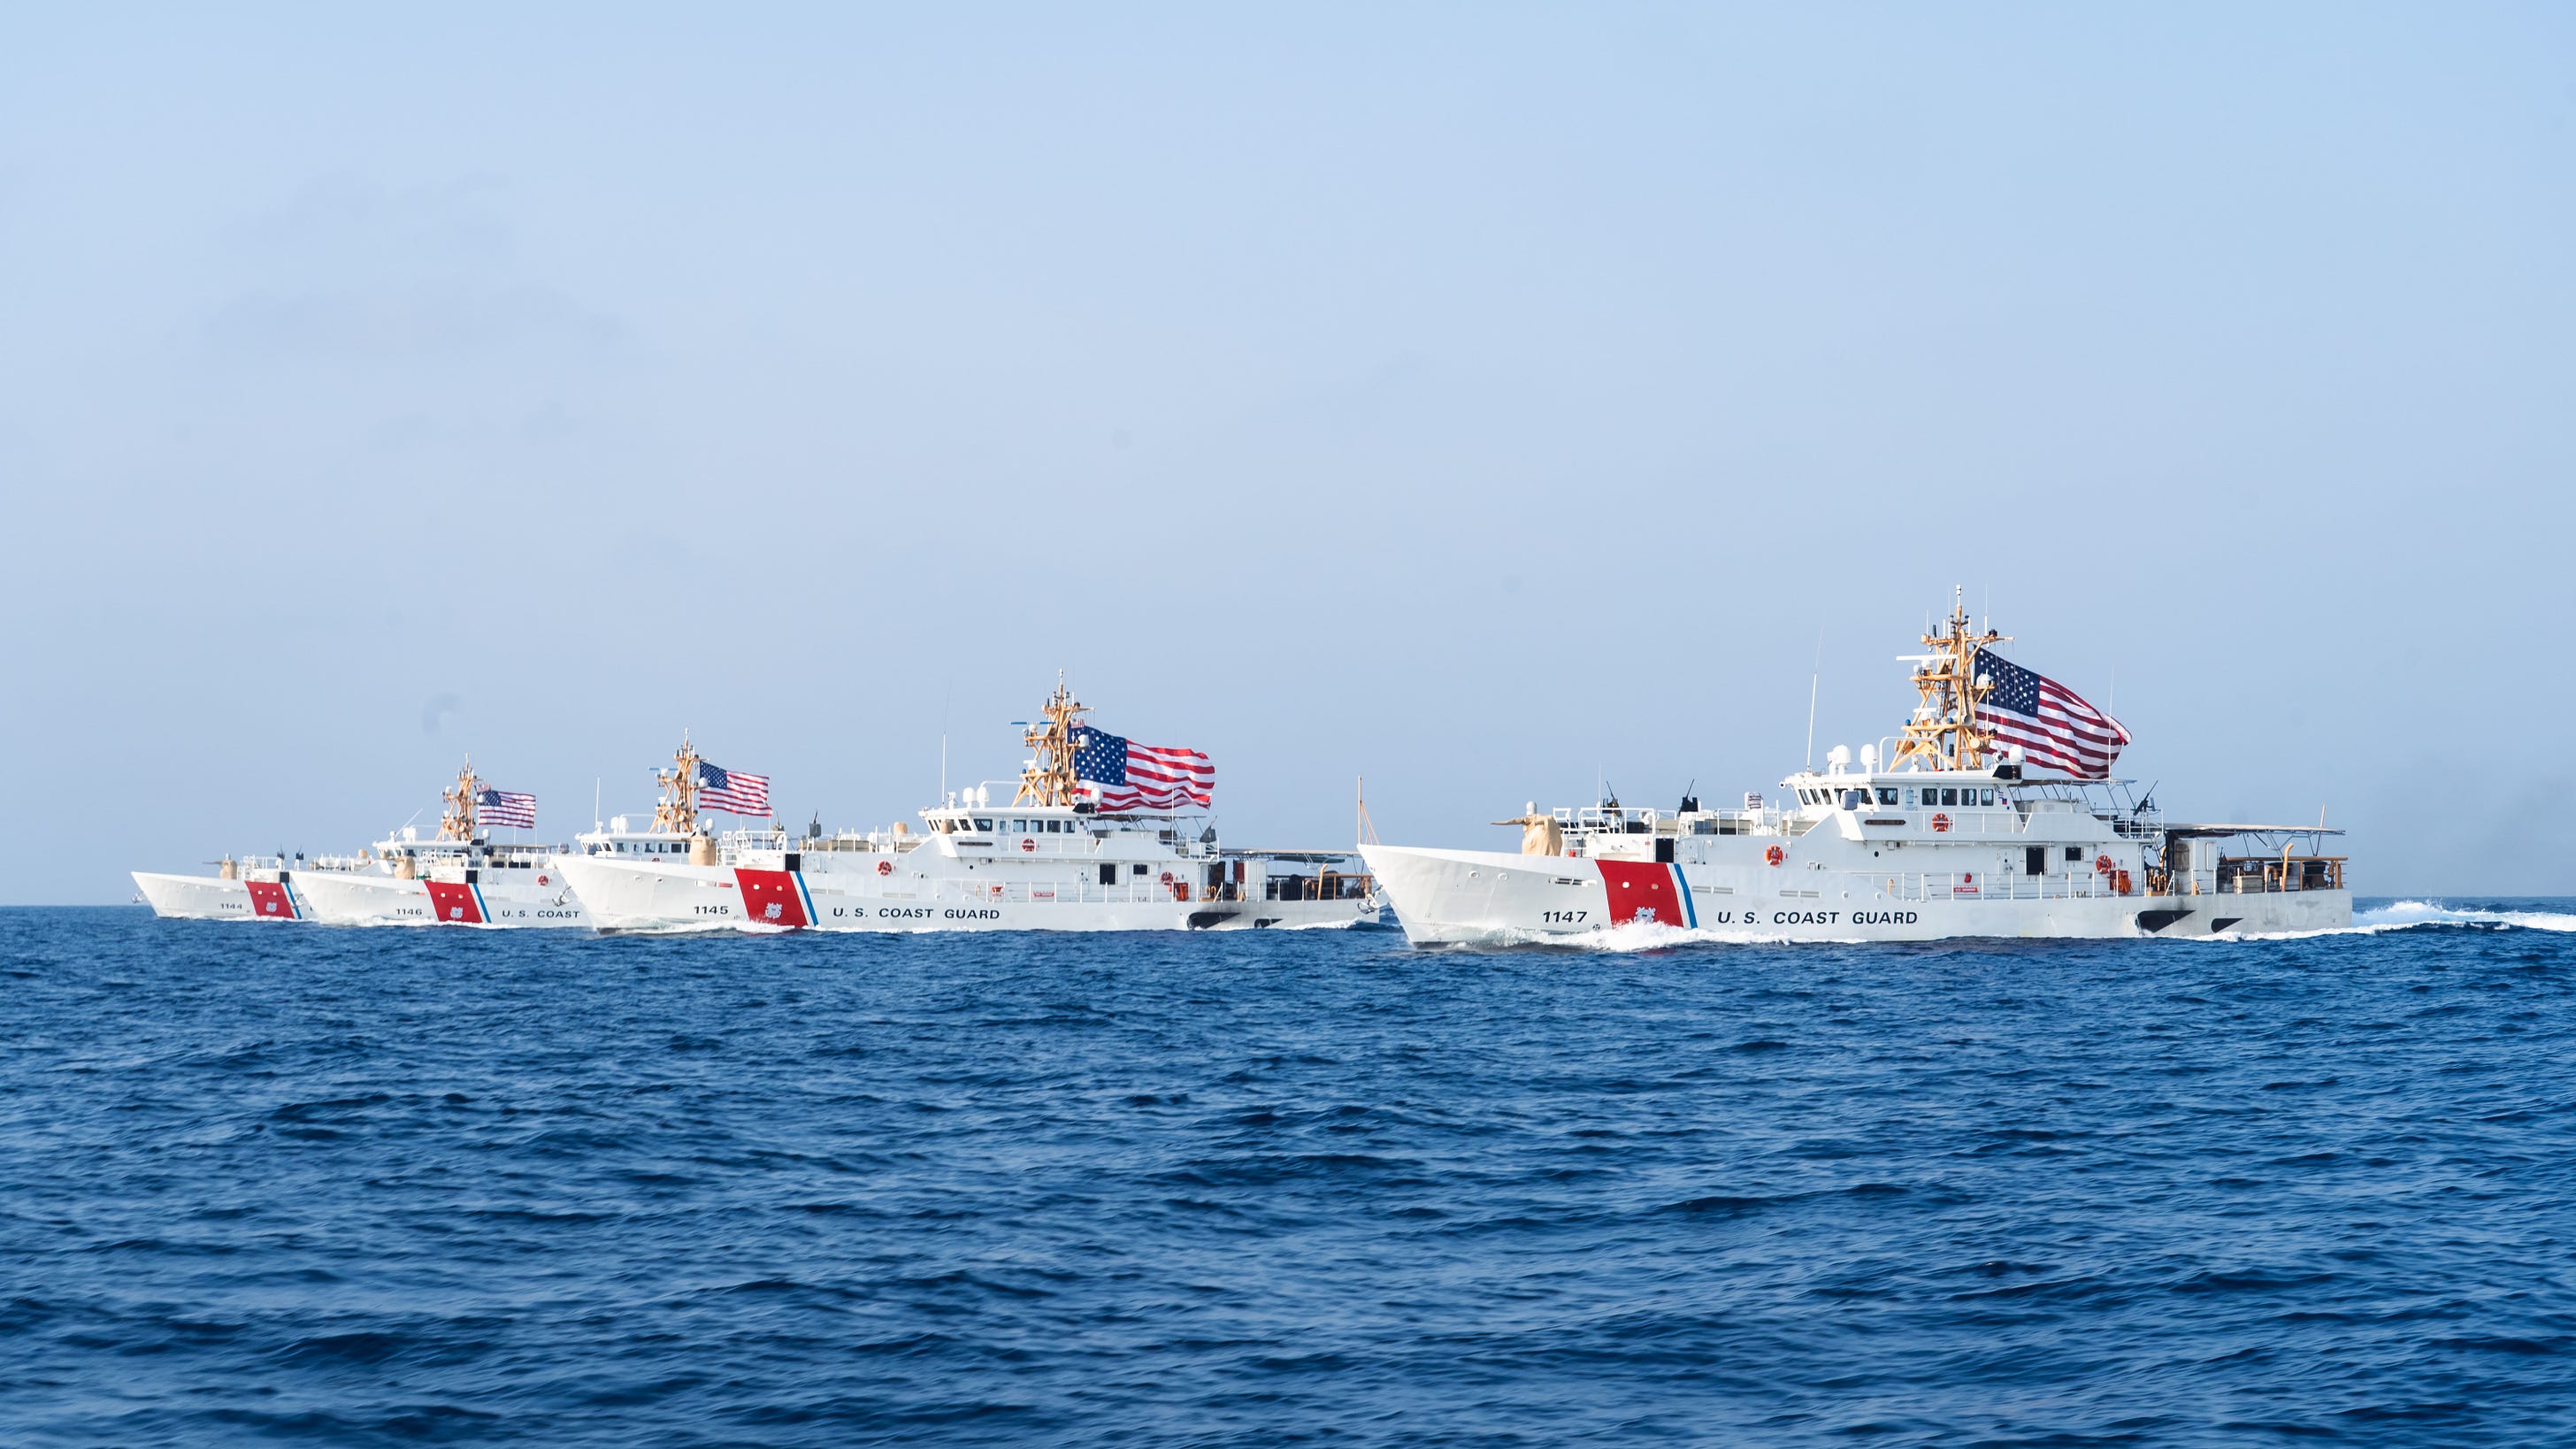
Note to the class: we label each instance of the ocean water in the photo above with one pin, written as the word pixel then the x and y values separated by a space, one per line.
pixel 264 1183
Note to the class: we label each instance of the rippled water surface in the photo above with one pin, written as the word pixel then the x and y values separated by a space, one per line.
pixel 272 1182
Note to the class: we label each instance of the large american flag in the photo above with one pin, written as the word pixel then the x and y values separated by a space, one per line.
pixel 2051 722
pixel 504 807
pixel 1141 777
pixel 732 791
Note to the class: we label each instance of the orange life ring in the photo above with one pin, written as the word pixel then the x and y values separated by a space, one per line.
pixel 1027 845
pixel 1940 824
pixel 1167 877
pixel 2102 865
pixel 1775 855
pixel 885 867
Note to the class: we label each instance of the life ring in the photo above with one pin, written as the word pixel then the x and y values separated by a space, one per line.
pixel 541 880
pixel 1167 877
pixel 1028 846
pixel 885 867
pixel 1940 824
pixel 1775 855
pixel 2102 865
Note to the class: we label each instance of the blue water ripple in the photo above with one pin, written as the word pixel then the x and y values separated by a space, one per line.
pixel 263 1182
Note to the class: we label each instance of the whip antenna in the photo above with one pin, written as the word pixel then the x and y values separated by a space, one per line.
pixel 1812 681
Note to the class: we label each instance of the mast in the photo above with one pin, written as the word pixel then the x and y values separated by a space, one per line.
pixel 676 813
pixel 458 822
pixel 1047 778
pixel 1945 732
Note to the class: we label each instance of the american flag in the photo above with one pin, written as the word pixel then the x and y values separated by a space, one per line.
pixel 1142 777
pixel 504 807
pixel 732 791
pixel 2051 722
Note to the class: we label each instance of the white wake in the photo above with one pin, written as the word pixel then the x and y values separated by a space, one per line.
pixel 2403 914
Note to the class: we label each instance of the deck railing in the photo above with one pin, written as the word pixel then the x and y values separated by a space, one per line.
pixel 2270 874
pixel 1979 885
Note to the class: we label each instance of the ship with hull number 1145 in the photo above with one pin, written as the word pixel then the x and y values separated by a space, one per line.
pixel 1067 852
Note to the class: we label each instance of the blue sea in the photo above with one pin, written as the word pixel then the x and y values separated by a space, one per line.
pixel 284 1184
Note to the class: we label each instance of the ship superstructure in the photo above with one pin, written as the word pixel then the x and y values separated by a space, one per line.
pixel 1950 835
pixel 1048 859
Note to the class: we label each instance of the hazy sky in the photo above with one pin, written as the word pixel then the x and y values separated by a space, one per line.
pixel 1477 397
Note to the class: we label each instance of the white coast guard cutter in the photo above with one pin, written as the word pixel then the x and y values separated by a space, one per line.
pixel 459 877
pixel 1950 838
pixel 250 888
pixel 1052 859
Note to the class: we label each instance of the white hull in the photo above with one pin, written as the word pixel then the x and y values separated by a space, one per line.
pixel 213 898
pixel 853 896
pixel 496 897
pixel 1469 897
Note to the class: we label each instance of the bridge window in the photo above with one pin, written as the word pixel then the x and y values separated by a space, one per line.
pixel 983 824
pixel 1887 794
pixel 1985 796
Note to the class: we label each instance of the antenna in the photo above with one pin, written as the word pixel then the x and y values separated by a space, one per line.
pixel 594 802
pixel 1812 681
pixel 943 767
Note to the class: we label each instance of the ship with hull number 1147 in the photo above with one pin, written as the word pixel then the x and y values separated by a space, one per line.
pixel 1952 834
